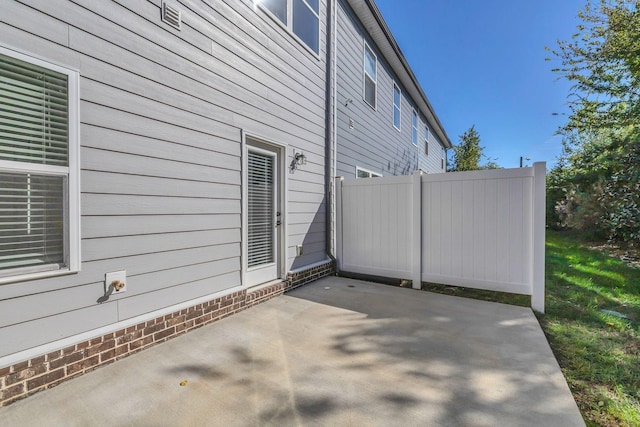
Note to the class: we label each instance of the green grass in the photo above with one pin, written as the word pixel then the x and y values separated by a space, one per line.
pixel 599 353
pixel 459 291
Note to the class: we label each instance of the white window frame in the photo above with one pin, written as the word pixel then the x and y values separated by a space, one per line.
pixel 414 127
pixel 399 107
pixel 371 173
pixel 288 26
pixel 365 75
pixel 71 172
pixel 426 140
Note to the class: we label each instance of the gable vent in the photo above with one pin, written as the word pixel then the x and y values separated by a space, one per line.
pixel 171 16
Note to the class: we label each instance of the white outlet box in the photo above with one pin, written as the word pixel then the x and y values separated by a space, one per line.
pixel 299 250
pixel 113 276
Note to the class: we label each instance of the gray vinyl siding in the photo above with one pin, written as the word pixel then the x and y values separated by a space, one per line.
pixel 432 162
pixel 374 143
pixel 162 113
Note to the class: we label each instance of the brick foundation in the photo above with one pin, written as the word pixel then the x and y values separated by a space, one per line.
pixel 307 276
pixel 39 373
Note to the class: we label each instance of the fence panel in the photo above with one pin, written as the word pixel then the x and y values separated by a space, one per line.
pixel 375 226
pixel 477 229
pixel 481 229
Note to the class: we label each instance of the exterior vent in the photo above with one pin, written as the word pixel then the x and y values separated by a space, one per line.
pixel 171 16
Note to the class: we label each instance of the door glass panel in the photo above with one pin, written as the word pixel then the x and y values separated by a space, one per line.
pixel 260 212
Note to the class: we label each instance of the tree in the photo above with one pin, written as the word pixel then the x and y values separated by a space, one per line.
pixel 602 60
pixel 575 184
pixel 621 194
pixel 595 186
pixel 467 154
pixel 491 164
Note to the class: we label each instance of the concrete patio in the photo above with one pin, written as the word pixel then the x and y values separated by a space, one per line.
pixel 337 352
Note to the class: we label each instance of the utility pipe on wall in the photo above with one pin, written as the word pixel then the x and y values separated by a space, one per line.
pixel 331 128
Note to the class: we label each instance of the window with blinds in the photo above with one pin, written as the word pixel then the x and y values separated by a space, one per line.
pixel 370 71
pixel 34 113
pixel 260 209
pixel 414 128
pixel 34 166
pixel 397 106
pixel 31 220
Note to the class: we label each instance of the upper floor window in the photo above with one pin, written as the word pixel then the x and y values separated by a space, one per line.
pixel 443 159
pixel 302 17
pixel 39 191
pixel 396 106
pixel 370 75
pixel 426 140
pixel 414 125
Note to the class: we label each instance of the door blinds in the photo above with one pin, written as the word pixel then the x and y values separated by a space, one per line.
pixel 261 224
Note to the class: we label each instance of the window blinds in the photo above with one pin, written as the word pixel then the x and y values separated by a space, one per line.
pixel 34 129
pixel 34 113
pixel 31 220
pixel 260 209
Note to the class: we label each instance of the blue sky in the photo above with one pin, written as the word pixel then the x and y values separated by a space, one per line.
pixel 482 63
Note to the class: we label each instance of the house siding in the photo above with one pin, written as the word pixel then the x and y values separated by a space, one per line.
pixel 22 379
pixel 162 114
pixel 431 163
pixel 374 143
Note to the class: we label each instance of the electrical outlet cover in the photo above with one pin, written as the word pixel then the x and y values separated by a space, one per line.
pixel 116 275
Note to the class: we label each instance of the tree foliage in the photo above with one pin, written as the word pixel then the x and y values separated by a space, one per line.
pixel 576 182
pixel 468 153
pixel 602 60
pixel 621 194
pixel 595 186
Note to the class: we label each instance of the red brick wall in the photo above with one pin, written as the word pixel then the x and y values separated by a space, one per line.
pixel 25 378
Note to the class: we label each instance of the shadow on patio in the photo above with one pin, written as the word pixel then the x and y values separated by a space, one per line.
pixel 337 352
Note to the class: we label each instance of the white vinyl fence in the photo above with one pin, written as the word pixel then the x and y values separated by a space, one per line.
pixel 481 229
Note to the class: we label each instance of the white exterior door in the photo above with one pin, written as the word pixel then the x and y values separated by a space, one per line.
pixel 263 215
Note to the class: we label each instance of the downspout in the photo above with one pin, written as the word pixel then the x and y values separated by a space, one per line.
pixel 330 126
pixel 335 92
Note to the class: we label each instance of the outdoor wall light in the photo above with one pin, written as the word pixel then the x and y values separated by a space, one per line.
pixel 299 159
